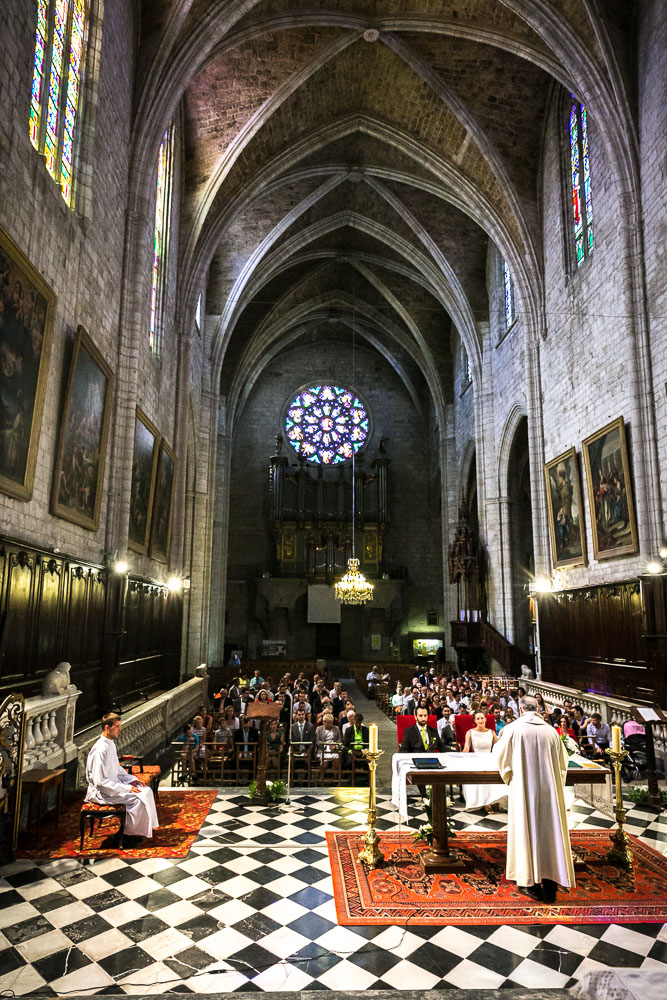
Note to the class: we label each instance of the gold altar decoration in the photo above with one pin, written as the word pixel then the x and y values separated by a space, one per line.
pixel 370 854
pixel 620 852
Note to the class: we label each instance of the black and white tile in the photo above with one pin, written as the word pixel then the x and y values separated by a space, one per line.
pixel 251 908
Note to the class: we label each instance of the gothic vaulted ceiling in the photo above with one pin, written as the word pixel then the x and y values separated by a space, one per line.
pixel 347 162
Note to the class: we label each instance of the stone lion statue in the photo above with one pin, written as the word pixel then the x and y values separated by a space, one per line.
pixel 57 680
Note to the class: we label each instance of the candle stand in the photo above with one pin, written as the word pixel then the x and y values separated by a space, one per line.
pixel 620 852
pixel 370 854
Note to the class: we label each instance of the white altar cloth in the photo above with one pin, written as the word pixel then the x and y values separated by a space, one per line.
pixel 401 764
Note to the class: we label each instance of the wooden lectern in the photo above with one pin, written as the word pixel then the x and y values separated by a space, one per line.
pixel 264 711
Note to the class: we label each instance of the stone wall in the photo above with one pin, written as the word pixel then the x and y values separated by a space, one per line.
pixel 413 535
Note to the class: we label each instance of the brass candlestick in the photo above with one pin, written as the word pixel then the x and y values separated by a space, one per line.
pixel 620 852
pixel 370 853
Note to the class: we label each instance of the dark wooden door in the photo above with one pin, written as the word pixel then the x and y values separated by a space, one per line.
pixel 327 641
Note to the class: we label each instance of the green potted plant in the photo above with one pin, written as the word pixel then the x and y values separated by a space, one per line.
pixel 275 791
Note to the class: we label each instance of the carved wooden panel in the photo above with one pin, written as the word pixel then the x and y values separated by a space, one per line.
pixel 591 639
pixel 53 608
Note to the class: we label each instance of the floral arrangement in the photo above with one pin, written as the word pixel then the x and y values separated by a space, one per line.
pixel 569 744
pixel 275 790
pixel 425 831
pixel 639 793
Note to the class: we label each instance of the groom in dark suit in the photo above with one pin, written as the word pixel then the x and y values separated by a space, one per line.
pixel 421 738
pixel 302 732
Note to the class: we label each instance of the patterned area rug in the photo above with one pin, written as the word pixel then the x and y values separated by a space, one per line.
pixel 181 815
pixel 401 893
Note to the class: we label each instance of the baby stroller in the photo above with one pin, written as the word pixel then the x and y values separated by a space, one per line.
pixel 635 763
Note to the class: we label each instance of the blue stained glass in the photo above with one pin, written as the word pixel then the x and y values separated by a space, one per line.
pixel 582 204
pixel 575 172
pixel 53 105
pixel 326 424
pixel 38 72
pixel 509 296
pixel 72 98
pixel 587 177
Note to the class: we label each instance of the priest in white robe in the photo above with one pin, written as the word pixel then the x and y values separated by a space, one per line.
pixel 533 762
pixel 110 784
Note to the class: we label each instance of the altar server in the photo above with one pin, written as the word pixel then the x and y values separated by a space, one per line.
pixel 533 762
pixel 109 784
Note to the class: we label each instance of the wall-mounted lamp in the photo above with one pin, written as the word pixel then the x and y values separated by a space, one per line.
pixel 541 585
pixel 175 584
pixel 654 567
pixel 121 566
pixel 662 551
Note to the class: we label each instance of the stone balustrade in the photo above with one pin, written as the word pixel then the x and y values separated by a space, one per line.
pixel 614 711
pixel 151 725
pixel 49 736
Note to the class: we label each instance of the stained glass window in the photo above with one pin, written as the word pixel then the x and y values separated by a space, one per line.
pixel 38 71
pixel 160 238
pixel 466 367
pixel 580 173
pixel 59 43
pixel 509 296
pixel 327 424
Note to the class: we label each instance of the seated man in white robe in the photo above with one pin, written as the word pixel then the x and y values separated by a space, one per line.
pixel 533 762
pixel 109 784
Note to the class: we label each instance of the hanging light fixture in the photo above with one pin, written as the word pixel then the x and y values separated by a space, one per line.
pixel 353 588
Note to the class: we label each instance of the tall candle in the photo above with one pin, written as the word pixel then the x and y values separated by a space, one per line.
pixel 616 738
pixel 373 737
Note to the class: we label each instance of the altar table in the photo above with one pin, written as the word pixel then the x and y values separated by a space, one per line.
pixel 464 769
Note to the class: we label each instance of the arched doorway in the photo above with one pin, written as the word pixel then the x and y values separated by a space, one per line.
pixel 522 566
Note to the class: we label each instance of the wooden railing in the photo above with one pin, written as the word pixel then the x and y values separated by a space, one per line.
pixel 483 635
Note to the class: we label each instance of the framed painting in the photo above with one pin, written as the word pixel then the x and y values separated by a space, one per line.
pixel 82 443
pixel 27 306
pixel 564 507
pixel 162 504
pixel 610 492
pixel 144 463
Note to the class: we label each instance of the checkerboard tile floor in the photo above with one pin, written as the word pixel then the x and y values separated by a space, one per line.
pixel 251 908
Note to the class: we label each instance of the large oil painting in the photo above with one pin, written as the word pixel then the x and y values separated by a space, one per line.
pixel 566 523
pixel 79 471
pixel 27 306
pixel 144 463
pixel 610 492
pixel 164 491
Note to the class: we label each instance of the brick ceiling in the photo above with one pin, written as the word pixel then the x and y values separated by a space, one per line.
pixel 348 162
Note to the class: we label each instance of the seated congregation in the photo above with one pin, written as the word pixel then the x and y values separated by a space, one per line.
pixel 314 735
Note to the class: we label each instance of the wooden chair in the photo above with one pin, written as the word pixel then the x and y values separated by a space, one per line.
pixel 182 770
pixel 93 812
pixel 329 771
pixel 246 762
pixel 146 774
pixel 302 761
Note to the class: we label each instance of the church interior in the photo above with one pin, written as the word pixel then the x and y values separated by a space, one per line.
pixel 332 335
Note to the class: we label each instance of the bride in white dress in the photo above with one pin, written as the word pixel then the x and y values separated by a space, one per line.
pixel 480 740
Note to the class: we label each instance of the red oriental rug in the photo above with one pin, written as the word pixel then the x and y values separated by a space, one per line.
pixel 401 893
pixel 181 815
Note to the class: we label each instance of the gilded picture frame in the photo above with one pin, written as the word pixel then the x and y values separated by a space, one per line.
pixel 162 504
pixel 565 510
pixel 144 468
pixel 27 309
pixel 610 496
pixel 78 477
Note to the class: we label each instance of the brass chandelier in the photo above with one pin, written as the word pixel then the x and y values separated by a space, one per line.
pixel 353 588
